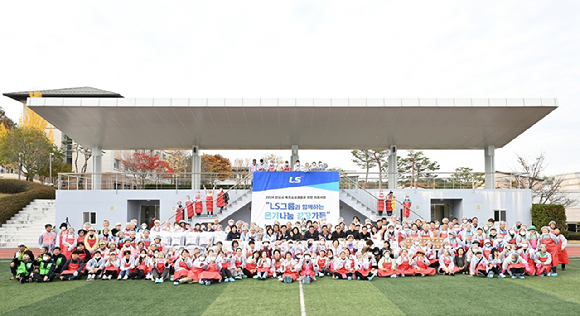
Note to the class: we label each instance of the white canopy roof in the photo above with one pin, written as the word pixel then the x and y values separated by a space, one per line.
pixel 123 123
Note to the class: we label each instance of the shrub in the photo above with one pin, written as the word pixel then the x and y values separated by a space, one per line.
pixel 543 214
pixel 574 236
pixel 12 204
pixel 11 186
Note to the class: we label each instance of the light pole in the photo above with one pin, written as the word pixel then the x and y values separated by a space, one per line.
pixel 50 167
pixel 19 164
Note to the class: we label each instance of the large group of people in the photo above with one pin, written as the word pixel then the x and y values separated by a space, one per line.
pixel 271 166
pixel 301 251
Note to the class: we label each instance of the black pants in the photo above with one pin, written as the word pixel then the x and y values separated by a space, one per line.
pixel 517 271
pixel 495 270
pixel 339 275
pixel 389 213
pixel 436 265
pixel 226 274
pixel 40 278
pixel 248 273
pixel 360 276
pixel 23 276
pixel 482 273
pixel 464 270
pixel 112 273
pixel 380 213
pixel 327 271
pixel 211 281
pixel 137 274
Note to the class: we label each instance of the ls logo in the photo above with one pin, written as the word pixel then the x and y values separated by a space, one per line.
pixel 295 179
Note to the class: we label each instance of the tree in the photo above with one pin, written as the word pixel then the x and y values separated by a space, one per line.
pixel 56 163
pixel 379 155
pixel 216 164
pixel 5 122
pixel 465 178
pixel 415 166
pixel 31 143
pixel 278 160
pixel 545 190
pixel 179 160
pixel 143 166
pixel 32 120
pixel 364 159
pixel 87 154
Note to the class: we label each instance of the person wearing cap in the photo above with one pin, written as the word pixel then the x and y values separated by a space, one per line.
pixel 24 269
pixel 533 237
pixel 91 241
pixel 515 266
pixel 487 247
pixel 105 235
pixel 421 264
pixel 45 270
pixel 528 255
pixel 95 266
pixel 116 229
pixel 69 243
pixel 543 262
pixel 363 266
pixel 61 234
pixel 73 267
pixel 156 226
pixel 562 252
pixel 478 265
pixel 552 244
pixel 18 257
pixel 111 267
pixel 47 238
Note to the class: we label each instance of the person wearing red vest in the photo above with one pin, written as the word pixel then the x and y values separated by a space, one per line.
pixel 160 268
pixel 221 200
pixel 179 212
pixel 381 202
pixel 73 267
pixel 209 201
pixel 47 238
pixel 111 267
pixel 406 207
pixel 91 241
pixel 141 266
pixel 189 206
pixel 198 204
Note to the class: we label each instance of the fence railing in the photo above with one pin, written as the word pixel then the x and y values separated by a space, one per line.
pixel 243 180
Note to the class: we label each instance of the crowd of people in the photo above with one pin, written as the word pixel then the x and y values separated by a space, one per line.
pixel 271 166
pixel 301 251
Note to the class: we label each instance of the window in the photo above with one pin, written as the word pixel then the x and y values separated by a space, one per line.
pixel 90 217
pixel 117 164
pixel 499 215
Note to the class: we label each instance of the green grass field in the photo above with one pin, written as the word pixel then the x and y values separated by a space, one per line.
pixel 438 295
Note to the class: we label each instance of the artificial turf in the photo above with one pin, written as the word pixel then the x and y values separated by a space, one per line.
pixel 437 295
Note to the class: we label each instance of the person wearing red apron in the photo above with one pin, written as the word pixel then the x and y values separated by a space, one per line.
pixel 421 265
pixel 543 262
pixel 264 266
pixel 211 273
pixel 515 265
pixel 160 268
pixel 127 265
pixel 209 201
pixel 47 238
pixel 238 264
pixel 551 242
pixel 69 243
pixel 308 269
pixel 181 267
pixel 252 265
pixel 526 254
pixel 198 204
pixel 72 268
pixel 533 238
pixel 381 203
pixel 81 234
pixel 386 268
pixel 562 252
pixel 446 263
pixel 111 269
pixel 389 204
pixel 404 265
pixel 221 200
pixel 196 269
pixel 179 213
pixel 91 241
pixel 414 233
pixel 141 266
pixel 289 266
pixel 406 207
pixel 189 206
pixel 494 263
pixel 478 264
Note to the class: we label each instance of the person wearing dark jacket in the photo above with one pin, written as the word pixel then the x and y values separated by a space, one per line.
pixel 18 256
pixel 338 233
pixel 311 233
pixel 233 234
pixel 45 271
pixel 59 260
pixel 72 268
pixel 24 268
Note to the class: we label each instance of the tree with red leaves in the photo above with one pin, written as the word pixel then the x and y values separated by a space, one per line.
pixel 143 166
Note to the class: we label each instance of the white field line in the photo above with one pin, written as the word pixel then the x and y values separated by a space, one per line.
pixel 302 308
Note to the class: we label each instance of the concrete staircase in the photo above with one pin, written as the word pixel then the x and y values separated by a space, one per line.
pixel 238 199
pixel 350 198
pixel 27 225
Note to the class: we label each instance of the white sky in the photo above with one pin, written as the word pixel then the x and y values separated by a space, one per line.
pixel 310 49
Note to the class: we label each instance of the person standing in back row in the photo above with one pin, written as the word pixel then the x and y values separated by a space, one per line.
pixel 209 201
pixel 389 204
pixel 47 238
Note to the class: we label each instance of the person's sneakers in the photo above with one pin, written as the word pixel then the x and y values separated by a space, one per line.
pixel 226 280
pixel 287 279
pixel 126 277
pixel 256 276
pixel 452 274
pixel 161 280
pixel 148 276
pixel 349 278
pixel 358 278
pixel 244 276
pixel 231 280
pixel 402 275
pixel 490 275
pixel 12 277
pixel 522 277
pixel 119 277
pixel 514 277
pixel 110 277
pixel 104 277
pixel 207 283
pixel 370 278
pixel 501 276
pixel 238 277
pixel 393 276
pixel 21 280
pixel 549 274
pixel 320 275
pixel 306 281
pixel 554 274
pixel 175 283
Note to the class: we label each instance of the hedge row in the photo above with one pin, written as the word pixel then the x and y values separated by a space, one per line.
pixel 543 214
pixel 12 204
